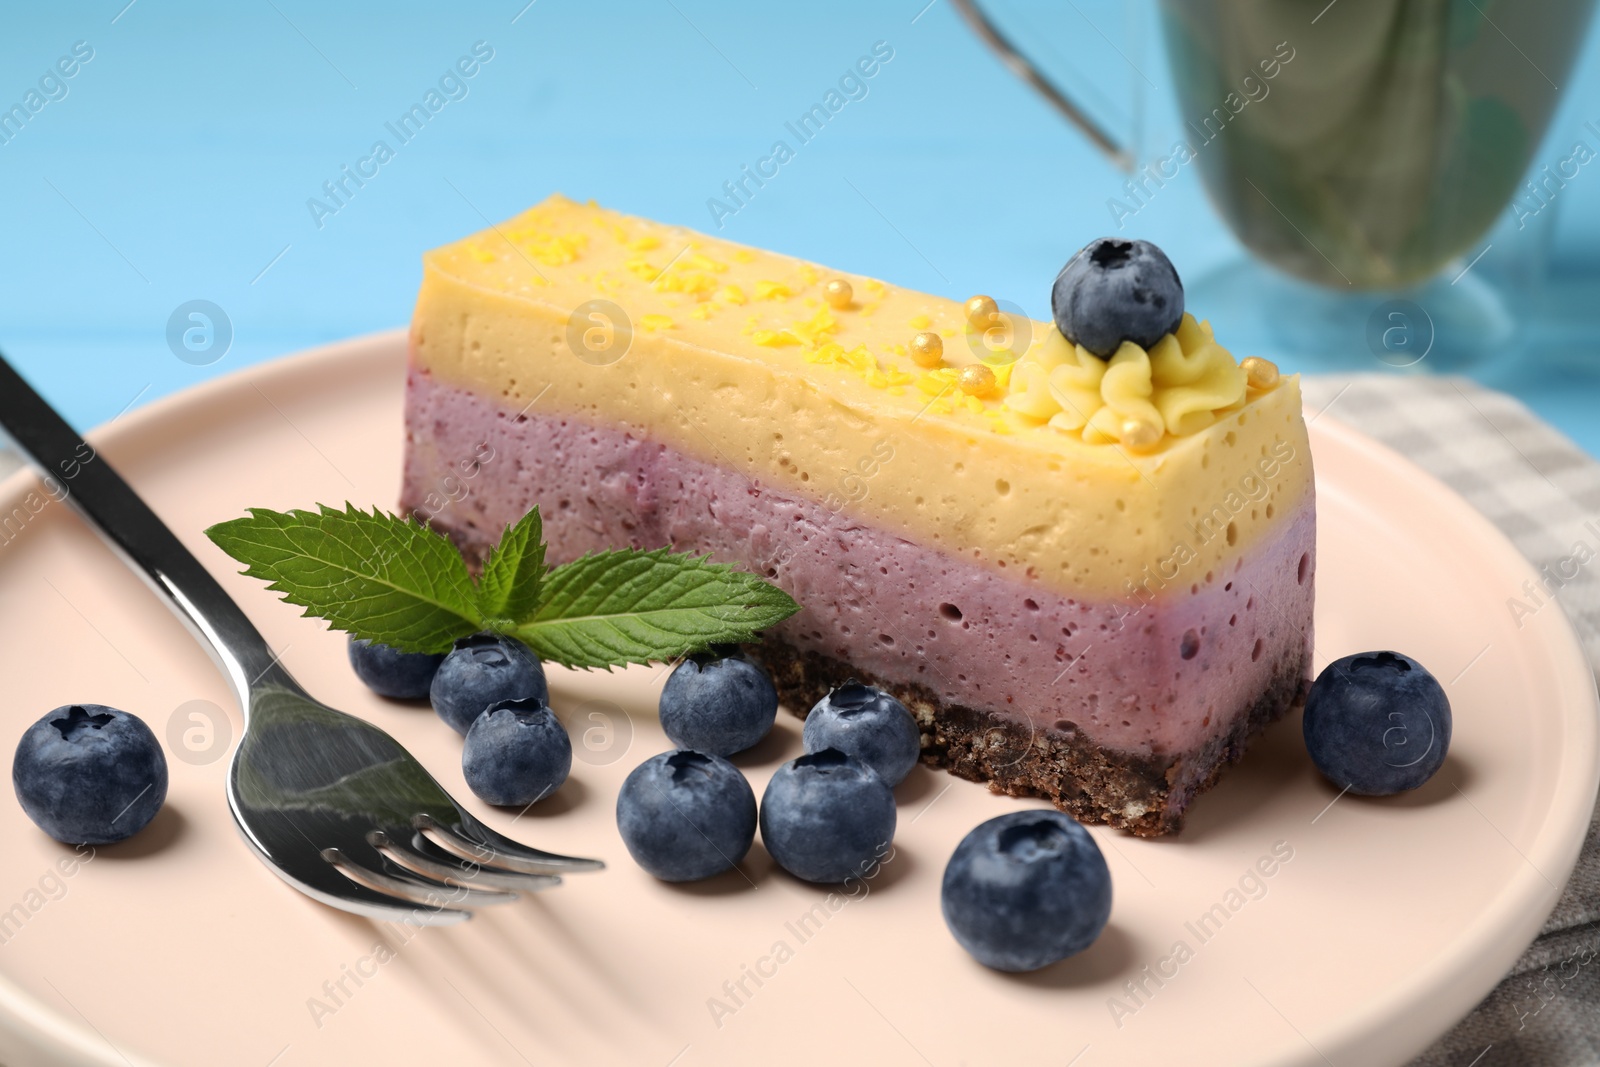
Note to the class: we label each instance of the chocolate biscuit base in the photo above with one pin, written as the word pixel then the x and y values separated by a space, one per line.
pixel 1146 797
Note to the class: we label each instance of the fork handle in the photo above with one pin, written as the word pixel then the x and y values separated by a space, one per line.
pixel 74 472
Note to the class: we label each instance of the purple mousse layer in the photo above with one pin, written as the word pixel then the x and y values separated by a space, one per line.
pixel 1154 681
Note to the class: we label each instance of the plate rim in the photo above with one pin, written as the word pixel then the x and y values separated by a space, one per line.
pixel 1557 846
pixel 1430 1000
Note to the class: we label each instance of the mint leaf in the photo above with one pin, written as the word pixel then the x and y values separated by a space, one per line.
pixel 630 606
pixel 376 575
pixel 513 574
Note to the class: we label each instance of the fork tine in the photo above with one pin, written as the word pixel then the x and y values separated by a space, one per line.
pixel 322 881
pixel 478 842
pixel 426 856
pixel 379 871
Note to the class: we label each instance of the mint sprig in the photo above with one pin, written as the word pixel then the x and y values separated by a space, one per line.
pixel 387 579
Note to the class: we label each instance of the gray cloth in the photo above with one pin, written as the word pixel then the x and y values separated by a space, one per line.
pixel 1543 493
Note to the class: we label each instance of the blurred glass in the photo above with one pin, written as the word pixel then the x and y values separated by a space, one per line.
pixel 1361 150
pixel 1396 133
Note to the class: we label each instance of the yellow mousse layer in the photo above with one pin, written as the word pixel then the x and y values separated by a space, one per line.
pixel 748 359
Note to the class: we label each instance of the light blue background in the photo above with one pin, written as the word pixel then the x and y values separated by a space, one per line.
pixel 179 164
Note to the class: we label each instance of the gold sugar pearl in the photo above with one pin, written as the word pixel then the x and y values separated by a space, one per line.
pixel 976 380
pixel 1259 373
pixel 982 312
pixel 838 293
pixel 1140 435
pixel 927 350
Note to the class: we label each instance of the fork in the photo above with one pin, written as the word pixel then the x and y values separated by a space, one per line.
pixel 332 804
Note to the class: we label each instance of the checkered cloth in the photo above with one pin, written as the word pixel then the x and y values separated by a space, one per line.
pixel 1540 490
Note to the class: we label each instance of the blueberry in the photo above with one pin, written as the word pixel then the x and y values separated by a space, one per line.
pixel 827 817
pixel 686 815
pixel 1026 889
pixel 90 775
pixel 391 673
pixel 517 752
pixel 719 704
pixel 870 725
pixel 1377 722
pixel 485 669
pixel 1114 291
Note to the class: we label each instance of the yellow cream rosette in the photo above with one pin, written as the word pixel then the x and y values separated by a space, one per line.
pixel 1179 386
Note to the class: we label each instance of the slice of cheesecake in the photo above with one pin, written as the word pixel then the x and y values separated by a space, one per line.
pixel 1090 579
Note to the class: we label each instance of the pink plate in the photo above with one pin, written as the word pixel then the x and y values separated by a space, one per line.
pixel 1381 923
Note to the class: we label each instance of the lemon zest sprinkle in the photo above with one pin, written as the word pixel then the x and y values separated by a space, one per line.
pixel 774 338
